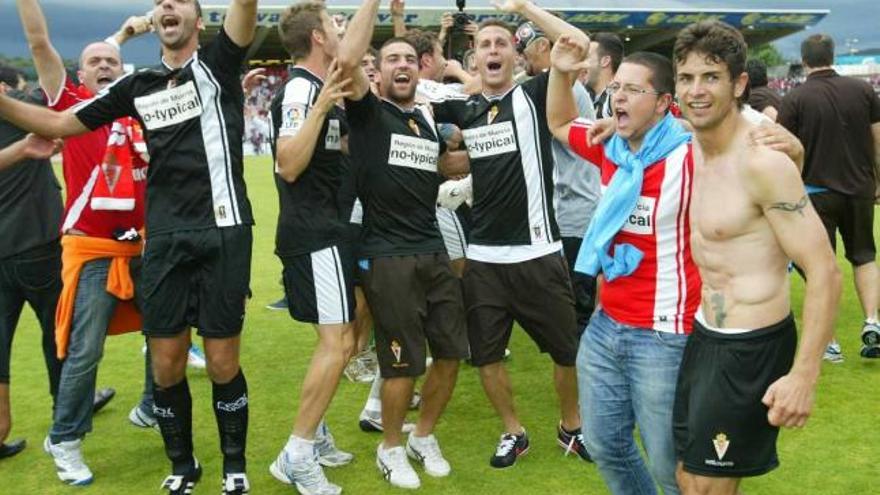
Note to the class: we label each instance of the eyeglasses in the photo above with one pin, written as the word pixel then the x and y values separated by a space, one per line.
pixel 630 90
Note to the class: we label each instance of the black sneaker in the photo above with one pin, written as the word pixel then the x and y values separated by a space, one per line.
pixel 572 442
pixel 279 305
pixel 235 484
pixel 870 351
pixel 182 484
pixel 103 397
pixel 509 448
pixel 871 334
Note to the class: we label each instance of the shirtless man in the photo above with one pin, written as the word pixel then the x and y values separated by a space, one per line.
pixel 740 379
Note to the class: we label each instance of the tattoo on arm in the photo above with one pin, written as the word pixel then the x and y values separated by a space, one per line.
pixel 791 207
pixel 718 307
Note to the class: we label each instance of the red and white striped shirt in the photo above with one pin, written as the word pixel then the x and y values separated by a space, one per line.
pixel 663 293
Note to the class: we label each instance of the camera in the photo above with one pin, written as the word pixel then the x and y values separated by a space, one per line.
pixel 460 19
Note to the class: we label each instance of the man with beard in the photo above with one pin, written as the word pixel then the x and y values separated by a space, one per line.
pixel 196 267
pixel 740 379
pixel 412 291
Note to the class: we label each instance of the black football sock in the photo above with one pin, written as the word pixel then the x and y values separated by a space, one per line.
pixel 173 411
pixel 231 410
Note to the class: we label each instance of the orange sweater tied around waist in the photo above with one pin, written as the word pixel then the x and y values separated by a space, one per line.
pixel 76 252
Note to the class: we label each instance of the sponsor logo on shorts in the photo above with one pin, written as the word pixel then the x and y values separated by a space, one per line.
pixel 396 350
pixel 721 444
pixel 238 404
pixel 490 140
pixel 413 152
pixel 641 219
pixel 169 107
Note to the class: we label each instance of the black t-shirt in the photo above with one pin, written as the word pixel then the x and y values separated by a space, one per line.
pixel 308 218
pixel 397 178
pixel 30 196
pixel 832 115
pixel 193 122
pixel 511 163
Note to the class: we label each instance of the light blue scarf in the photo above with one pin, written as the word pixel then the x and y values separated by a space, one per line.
pixel 621 197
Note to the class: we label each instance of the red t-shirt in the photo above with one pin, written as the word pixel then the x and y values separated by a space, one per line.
pixel 83 159
pixel 663 293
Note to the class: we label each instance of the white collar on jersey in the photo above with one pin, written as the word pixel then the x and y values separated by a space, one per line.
pixel 500 96
pixel 193 57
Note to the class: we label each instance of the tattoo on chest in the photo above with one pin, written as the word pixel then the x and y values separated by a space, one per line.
pixel 792 207
pixel 718 307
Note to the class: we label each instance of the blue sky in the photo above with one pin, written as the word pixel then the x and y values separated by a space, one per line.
pixel 73 23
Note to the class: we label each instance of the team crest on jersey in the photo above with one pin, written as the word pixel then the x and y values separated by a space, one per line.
pixel 493 112
pixel 396 349
pixel 539 232
pixel 721 444
pixel 169 107
pixel 414 127
pixel 490 140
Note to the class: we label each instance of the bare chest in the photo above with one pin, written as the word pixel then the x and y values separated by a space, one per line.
pixel 721 207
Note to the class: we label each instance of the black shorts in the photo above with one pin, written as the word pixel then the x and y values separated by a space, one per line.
pixel 320 286
pixel 854 218
pixel 197 278
pixel 536 293
pixel 719 422
pixel 583 285
pixel 413 299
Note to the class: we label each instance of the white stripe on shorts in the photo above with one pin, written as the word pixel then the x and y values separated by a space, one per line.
pixel 452 232
pixel 331 299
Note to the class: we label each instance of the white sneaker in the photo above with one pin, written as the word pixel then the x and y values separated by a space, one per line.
pixel 305 474
pixel 140 419
pixel 69 463
pixel 328 454
pixel 833 353
pixel 395 468
pixel 426 451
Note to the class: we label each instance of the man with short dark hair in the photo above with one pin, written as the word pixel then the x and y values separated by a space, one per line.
pixel 762 98
pixel 741 377
pixel 629 355
pixel 606 54
pixel 515 243
pixel 837 119
pixel 413 293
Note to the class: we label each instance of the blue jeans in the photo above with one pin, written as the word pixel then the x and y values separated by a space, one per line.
pixel 93 308
pixel 627 377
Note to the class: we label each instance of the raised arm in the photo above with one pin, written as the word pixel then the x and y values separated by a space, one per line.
pixel 297 140
pixel 354 46
pixel 398 8
pixel 47 61
pixel 241 21
pixel 40 120
pixel 567 59
pixel 553 26
pixel 133 27
pixel 778 190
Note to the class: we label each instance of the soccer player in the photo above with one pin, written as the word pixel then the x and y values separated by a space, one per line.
pixel 197 264
pixel 413 293
pixel 740 379
pixel 606 54
pixel 515 244
pixel 311 238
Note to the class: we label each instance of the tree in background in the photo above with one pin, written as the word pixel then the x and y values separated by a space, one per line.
pixel 767 53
